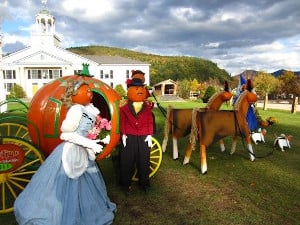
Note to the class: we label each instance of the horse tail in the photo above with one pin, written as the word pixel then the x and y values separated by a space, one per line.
pixel 194 129
pixel 168 122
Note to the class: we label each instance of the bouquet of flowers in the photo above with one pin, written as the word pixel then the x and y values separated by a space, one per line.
pixel 101 130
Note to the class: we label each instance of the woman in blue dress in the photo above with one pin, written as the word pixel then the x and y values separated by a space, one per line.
pixel 68 189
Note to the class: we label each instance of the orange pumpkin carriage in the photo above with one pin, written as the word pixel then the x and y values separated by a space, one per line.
pixel 30 134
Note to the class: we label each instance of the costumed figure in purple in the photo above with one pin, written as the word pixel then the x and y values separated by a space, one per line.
pixel 137 127
pixel 68 188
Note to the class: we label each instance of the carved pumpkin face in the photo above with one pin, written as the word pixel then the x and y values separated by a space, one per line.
pixel 83 96
pixel 137 93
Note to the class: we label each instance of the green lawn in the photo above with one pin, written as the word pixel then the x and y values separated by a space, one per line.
pixel 234 191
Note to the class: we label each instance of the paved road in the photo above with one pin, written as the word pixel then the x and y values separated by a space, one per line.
pixel 283 106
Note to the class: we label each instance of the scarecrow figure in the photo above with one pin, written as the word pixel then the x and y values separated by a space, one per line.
pixel 137 127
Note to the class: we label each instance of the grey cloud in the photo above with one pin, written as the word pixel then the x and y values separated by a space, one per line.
pixel 214 29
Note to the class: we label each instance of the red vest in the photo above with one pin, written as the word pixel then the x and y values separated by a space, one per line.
pixel 140 124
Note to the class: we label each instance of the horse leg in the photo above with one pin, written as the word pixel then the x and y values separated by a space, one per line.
pixel 175 148
pixel 164 144
pixel 250 149
pixel 188 154
pixel 203 162
pixel 233 146
pixel 222 146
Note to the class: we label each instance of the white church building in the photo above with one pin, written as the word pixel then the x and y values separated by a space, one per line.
pixel 44 60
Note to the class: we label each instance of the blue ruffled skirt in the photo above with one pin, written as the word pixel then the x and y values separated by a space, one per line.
pixel 52 198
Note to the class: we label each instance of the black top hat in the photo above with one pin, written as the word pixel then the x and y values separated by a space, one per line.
pixel 134 82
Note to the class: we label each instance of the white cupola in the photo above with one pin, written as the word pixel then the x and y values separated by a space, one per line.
pixel 44 33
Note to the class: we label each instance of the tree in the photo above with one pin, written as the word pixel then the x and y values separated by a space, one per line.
pixel 17 92
pixel 184 89
pixel 289 84
pixel 208 93
pixel 194 85
pixel 119 88
pixel 264 84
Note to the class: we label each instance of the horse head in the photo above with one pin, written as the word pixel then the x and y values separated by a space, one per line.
pixel 218 98
pixel 244 100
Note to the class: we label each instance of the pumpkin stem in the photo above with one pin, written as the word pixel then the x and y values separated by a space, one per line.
pixel 85 70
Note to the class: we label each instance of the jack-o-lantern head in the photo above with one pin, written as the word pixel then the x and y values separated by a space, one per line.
pixel 83 95
pixel 137 93
pixel 77 92
pixel 136 90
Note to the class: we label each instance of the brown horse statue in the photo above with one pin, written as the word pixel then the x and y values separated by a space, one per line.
pixel 209 126
pixel 179 121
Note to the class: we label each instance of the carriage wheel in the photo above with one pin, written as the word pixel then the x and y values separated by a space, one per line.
pixel 155 159
pixel 13 180
pixel 14 130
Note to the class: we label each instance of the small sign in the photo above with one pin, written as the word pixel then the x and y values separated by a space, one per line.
pixel 11 157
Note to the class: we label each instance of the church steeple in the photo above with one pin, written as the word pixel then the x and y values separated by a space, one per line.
pixel 44 33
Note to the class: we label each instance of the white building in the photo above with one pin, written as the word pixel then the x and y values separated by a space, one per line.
pixel 44 61
pixel 3 107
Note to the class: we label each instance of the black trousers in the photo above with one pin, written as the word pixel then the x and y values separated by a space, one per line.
pixel 136 154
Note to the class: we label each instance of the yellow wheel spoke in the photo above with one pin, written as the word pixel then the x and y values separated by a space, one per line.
pixel 23 173
pixel 16 184
pixel 154 151
pixel 155 157
pixel 152 169
pixel 20 179
pixel 3 195
pixel 153 163
pixel 11 190
pixel 27 164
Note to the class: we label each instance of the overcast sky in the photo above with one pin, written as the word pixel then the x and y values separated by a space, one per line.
pixel 235 34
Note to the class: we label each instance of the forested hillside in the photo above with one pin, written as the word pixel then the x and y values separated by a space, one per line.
pixel 176 68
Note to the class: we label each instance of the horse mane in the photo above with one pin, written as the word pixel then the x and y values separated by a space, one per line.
pixel 212 99
pixel 241 99
pixel 215 101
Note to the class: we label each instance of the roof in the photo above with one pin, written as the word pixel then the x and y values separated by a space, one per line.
pixel 169 81
pixel 113 60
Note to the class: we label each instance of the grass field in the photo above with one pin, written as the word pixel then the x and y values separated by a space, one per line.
pixel 235 190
